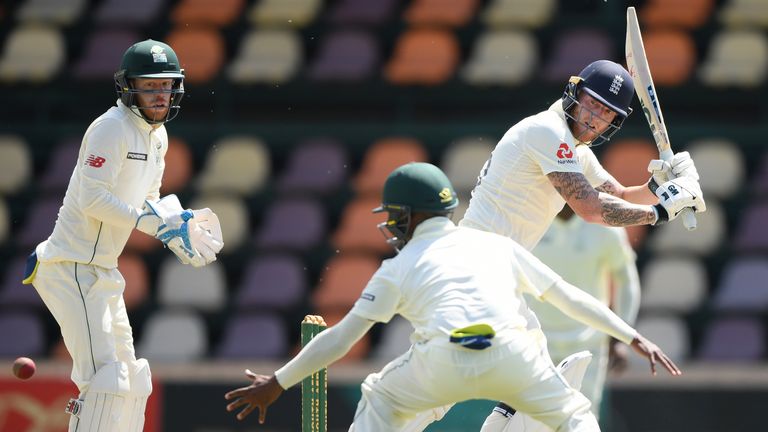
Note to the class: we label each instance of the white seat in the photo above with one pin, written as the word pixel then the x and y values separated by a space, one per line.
pixel 32 53
pixel 284 13
pixel 516 13
pixel 720 164
pixel 670 333
pixel 239 164
pixel 709 234
pixel 464 159
pixel 202 288
pixel 173 336
pixel 671 283
pixel 504 57
pixel 736 58
pixel 744 13
pixel 233 215
pixel 15 163
pixel 62 12
pixel 267 56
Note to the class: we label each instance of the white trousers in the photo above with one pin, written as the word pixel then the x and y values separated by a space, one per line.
pixel 433 374
pixel 87 302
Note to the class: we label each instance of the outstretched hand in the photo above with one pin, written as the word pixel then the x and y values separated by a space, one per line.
pixel 654 354
pixel 260 394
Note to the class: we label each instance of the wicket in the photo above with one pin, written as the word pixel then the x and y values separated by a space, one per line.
pixel 314 389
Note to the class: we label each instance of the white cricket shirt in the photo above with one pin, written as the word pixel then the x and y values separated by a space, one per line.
pixel 514 197
pixel 449 277
pixel 585 255
pixel 120 164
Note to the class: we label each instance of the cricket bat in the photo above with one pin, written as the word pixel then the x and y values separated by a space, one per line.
pixel 637 64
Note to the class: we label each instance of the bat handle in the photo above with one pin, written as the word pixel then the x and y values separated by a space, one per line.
pixel 689 219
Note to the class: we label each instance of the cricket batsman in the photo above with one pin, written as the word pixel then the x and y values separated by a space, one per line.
pixel 114 189
pixel 545 161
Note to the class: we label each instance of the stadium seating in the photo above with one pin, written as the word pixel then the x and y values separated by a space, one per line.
pixel 574 49
pixel 502 57
pixel 239 164
pixel 450 13
pixel 201 52
pixel 687 14
pixel 345 56
pixel 463 160
pixel 15 295
pixel 710 233
pixel 742 286
pixel 720 164
pixel 32 53
pixel 23 335
pixel 362 12
pixel 216 13
pixel 671 56
pixel 731 339
pixel 736 57
pixel 382 157
pixel 174 336
pixel 59 12
pixel 132 13
pixel 276 281
pixel 178 168
pixel 272 342
pixel 517 13
pixel 267 56
pixel 203 288
pixel 103 53
pixel 743 13
pixel 294 223
pixel 284 13
pixel 357 229
pixel 15 163
pixel 317 165
pixel 423 56
pixel 136 276
pixel 684 295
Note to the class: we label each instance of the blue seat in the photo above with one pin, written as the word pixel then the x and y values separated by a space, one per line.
pixel 238 341
pixel 22 335
pixel 272 281
pixel 292 223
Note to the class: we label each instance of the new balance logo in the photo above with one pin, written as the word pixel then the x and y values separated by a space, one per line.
pixel 95 161
pixel 616 84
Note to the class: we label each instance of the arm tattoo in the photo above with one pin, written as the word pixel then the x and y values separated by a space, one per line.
pixel 571 185
pixel 610 188
pixel 617 212
pixel 614 211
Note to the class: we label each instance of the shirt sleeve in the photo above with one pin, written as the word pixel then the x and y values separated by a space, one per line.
pixel 100 166
pixel 381 297
pixel 534 276
pixel 594 172
pixel 550 152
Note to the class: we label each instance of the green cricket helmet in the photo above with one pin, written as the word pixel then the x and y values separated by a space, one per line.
pixel 414 187
pixel 150 59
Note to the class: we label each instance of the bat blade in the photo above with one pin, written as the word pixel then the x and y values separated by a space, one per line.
pixel 637 64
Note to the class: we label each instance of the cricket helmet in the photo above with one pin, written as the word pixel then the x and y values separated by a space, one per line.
pixel 414 187
pixel 150 59
pixel 609 83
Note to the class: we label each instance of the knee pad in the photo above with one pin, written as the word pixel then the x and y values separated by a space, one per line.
pixel 114 400
pixel 574 367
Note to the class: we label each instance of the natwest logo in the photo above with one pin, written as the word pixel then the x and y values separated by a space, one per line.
pixel 95 161
pixel 564 152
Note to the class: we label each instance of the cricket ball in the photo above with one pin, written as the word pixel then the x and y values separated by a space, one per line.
pixel 24 368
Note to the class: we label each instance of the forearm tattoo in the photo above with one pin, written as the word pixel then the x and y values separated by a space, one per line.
pixel 609 188
pixel 617 212
pixel 614 211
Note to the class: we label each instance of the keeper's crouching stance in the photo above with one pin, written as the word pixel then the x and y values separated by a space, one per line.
pixel 114 189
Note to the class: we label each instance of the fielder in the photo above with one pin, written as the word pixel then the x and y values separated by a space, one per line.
pixel 114 188
pixel 606 270
pixel 545 161
pixel 462 289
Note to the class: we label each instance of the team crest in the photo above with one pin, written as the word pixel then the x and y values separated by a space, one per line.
pixel 446 195
pixel 616 84
pixel 158 54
